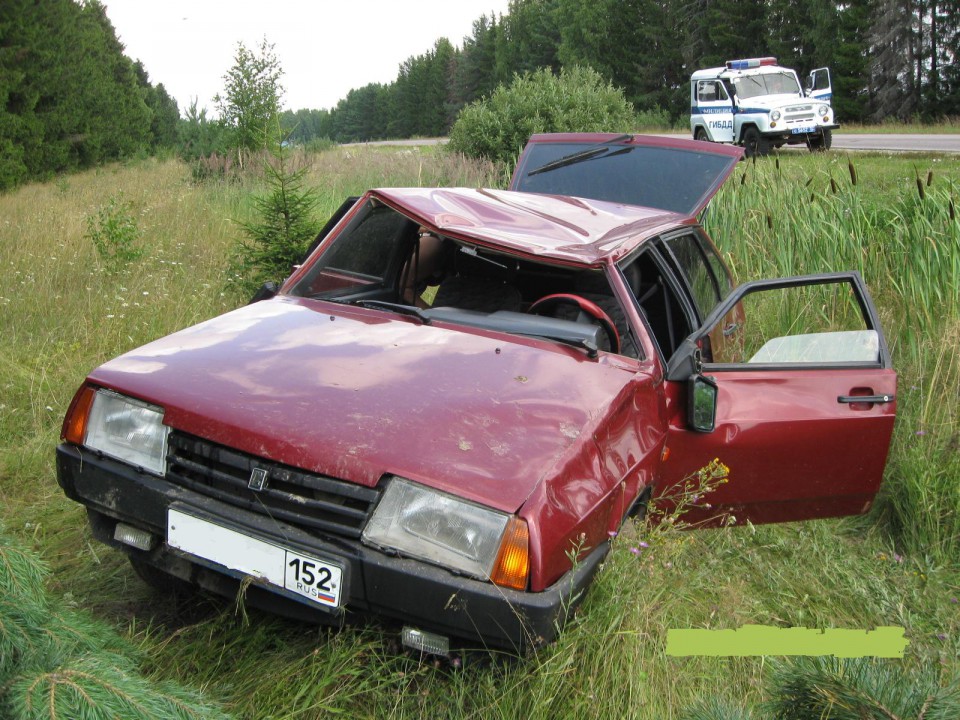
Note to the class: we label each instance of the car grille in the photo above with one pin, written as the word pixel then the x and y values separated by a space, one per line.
pixel 305 500
pixel 798 113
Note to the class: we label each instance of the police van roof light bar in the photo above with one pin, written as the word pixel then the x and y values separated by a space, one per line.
pixel 750 63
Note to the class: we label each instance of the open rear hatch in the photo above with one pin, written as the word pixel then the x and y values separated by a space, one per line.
pixel 664 173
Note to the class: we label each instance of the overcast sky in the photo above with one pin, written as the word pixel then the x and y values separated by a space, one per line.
pixel 325 47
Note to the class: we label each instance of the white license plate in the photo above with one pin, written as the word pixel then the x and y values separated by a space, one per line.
pixel 318 580
pixel 802 130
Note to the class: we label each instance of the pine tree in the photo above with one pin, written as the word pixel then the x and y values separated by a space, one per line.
pixel 284 226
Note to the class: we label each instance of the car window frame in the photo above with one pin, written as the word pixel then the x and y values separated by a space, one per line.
pixel 657 253
pixel 367 285
pixel 686 360
pixel 698 236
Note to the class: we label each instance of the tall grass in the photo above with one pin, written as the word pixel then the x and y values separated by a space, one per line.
pixel 62 313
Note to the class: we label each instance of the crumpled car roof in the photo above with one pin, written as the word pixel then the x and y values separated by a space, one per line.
pixel 565 229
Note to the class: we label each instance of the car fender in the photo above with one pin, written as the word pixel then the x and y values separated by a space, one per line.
pixel 585 496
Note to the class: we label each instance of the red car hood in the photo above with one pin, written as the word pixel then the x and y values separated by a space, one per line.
pixel 355 393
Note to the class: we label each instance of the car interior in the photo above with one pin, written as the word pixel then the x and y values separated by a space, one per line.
pixel 386 260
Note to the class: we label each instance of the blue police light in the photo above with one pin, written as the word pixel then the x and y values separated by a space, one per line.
pixel 750 63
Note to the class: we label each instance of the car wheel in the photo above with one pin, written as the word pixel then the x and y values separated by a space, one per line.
pixel 819 143
pixel 638 510
pixel 754 143
pixel 701 134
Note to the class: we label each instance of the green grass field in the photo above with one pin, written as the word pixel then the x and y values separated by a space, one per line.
pixel 64 310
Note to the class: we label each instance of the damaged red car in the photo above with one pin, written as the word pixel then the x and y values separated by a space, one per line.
pixel 459 387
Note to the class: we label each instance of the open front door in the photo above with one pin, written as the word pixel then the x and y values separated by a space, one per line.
pixel 801 407
pixel 819 86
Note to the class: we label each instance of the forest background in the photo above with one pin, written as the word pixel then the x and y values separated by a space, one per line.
pixel 70 98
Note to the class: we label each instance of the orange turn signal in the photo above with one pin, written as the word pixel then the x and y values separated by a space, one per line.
pixel 512 567
pixel 75 423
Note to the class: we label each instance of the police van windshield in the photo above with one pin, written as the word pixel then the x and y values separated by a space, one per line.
pixel 779 83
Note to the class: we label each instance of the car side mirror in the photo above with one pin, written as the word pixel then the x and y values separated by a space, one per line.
pixel 701 403
pixel 266 291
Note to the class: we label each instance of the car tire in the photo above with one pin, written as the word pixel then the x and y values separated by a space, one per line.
pixel 638 510
pixel 701 135
pixel 754 143
pixel 820 143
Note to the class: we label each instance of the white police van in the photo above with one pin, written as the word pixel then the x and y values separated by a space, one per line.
pixel 760 105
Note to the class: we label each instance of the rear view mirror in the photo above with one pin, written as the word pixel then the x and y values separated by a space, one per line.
pixel 701 403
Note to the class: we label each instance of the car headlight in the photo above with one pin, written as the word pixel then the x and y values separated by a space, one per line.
pixel 822 110
pixel 775 115
pixel 433 526
pixel 127 430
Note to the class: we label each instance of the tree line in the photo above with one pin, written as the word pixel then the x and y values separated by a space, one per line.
pixel 69 97
pixel 890 59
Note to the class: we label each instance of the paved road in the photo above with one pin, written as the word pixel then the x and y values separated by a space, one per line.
pixel 841 141
pixel 909 142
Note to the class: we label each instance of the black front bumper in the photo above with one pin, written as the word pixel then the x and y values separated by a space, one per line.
pixel 799 138
pixel 417 593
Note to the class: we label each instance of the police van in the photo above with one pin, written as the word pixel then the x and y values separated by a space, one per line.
pixel 761 105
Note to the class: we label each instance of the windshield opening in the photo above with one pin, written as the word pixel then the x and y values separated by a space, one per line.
pixel 385 261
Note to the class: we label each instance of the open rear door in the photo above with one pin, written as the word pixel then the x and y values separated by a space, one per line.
pixel 800 407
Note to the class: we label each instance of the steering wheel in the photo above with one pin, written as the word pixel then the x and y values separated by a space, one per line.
pixel 587 312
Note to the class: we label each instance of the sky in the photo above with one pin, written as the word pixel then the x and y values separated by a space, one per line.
pixel 325 47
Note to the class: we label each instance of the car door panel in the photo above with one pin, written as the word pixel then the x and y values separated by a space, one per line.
pixel 804 430
pixel 794 451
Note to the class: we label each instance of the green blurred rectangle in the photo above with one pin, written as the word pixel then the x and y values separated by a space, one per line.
pixel 753 640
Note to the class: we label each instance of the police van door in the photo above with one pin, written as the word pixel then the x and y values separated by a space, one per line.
pixel 716 109
pixel 818 85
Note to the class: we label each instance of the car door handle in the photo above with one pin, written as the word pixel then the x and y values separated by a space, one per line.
pixel 865 399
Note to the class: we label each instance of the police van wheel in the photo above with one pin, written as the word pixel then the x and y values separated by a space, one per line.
pixel 754 143
pixel 819 143
pixel 700 134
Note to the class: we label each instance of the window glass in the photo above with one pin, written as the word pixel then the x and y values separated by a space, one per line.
pixel 689 256
pixel 711 91
pixel 707 91
pixel 720 274
pixel 656 177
